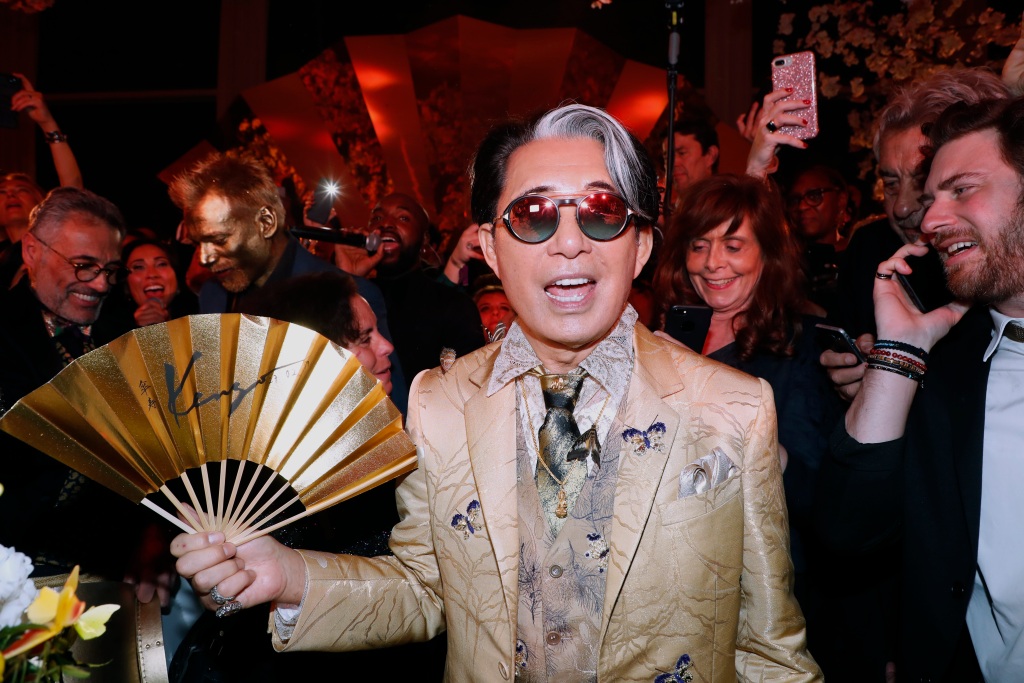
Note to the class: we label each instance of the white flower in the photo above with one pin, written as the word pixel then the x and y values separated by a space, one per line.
pixel 16 590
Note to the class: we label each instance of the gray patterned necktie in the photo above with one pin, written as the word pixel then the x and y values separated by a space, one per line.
pixel 559 481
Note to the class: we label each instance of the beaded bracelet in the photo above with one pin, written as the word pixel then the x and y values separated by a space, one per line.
pixel 882 354
pixel 902 346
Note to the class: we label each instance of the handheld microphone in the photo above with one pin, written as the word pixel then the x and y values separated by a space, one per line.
pixel 371 242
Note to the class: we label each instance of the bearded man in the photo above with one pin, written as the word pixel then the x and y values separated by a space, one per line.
pixel 930 454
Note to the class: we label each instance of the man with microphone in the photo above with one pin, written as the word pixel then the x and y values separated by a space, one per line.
pixel 234 215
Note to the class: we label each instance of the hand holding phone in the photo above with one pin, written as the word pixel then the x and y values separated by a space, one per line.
pixel 837 339
pixel 10 85
pixel 797 71
pixel 323 201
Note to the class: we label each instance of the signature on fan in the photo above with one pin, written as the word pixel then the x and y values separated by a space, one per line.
pixel 237 391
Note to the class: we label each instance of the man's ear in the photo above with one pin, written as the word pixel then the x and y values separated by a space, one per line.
pixel 267 222
pixel 713 153
pixel 644 247
pixel 486 237
pixel 30 251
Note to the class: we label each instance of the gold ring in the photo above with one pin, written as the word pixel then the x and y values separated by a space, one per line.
pixel 883 276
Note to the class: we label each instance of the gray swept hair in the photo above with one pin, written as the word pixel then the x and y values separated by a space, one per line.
pixel 920 102
pixel 64 203
pixel 629 164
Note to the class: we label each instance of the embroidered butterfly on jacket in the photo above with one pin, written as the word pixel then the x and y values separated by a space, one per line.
pixel 680 675
pixel 468 523
pixel 647 440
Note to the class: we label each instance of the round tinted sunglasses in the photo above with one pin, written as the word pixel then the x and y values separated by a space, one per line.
pixel 532 218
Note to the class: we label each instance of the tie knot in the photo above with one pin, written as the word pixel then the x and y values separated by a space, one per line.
pixel 562 391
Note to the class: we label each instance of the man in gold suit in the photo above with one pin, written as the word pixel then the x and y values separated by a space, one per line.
pixel 592 502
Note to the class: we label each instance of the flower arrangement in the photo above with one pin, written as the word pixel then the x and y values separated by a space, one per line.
pixel 38 627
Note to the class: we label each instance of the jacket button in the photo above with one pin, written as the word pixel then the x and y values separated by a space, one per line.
pixel 958 589
pixel 503 670
pixel 555 571
pixel 553 638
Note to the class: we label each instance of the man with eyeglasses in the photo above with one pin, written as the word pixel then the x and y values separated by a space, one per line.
pixel 72 253
pixel 592 502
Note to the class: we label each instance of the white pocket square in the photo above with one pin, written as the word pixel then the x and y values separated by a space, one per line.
pixel 708 472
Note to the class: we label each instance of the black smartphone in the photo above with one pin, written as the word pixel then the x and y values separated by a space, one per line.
pixel 323 200
pixel 911 294
pixel 689 325
pixel 9 86
pixel 837 339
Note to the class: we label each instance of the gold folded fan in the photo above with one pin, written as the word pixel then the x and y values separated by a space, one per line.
pixel 270 421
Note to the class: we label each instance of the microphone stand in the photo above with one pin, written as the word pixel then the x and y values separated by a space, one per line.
pixel 675 9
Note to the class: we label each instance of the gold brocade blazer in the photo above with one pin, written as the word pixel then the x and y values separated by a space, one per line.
pixel 706 575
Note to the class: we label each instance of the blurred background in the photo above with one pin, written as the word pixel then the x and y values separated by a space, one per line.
pixel 393 95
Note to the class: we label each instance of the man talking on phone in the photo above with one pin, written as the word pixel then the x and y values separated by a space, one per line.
pixel 930 455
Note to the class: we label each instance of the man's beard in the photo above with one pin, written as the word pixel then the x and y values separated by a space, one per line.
pixel 1000 275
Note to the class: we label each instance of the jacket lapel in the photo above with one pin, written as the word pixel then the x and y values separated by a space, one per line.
pixel 639 474
pixel 967 391
pixel 490 429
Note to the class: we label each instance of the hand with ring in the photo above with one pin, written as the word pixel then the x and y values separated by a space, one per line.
pixel 767 135
pixel 218 598
pixel 896 316
pixel 228 578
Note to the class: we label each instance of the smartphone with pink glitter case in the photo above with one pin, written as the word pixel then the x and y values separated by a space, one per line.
pixel 797 71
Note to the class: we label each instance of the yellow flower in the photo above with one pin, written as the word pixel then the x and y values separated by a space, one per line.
pixel 53 612
pixel 93 623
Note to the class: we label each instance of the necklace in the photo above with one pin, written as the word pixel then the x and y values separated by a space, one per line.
pixel 562 506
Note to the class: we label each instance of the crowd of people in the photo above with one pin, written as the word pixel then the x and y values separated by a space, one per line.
pixel 594 499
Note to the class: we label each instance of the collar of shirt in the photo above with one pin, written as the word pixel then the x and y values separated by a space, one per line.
pixel 610 363
pixel 999 323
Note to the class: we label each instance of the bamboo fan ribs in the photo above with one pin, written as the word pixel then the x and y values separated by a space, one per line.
pixel 253 421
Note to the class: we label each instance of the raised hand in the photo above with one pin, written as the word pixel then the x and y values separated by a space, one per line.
pixel 766 136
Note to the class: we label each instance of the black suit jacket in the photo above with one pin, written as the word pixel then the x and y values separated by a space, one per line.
pixel 924 492
pixel 296 260
pixel 96 528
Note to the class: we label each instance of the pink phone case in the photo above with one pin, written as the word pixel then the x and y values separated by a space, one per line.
pixel 797 71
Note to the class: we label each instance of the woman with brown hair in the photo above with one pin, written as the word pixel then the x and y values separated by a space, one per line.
pixel 729 248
